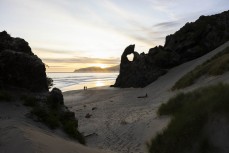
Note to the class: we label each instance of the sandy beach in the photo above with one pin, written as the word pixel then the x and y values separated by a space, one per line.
pixel 119 121
pixel 21 134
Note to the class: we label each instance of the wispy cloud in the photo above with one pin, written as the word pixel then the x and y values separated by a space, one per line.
pixel 165 25
pixel 56 66
pixel 82 60
pixel 49 50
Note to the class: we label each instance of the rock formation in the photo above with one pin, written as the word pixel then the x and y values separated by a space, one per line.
pixel 136 73
pixel 19 67
pixel 56 97
pixel 191 41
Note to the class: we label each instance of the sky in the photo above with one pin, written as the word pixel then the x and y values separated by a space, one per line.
pixel 72 34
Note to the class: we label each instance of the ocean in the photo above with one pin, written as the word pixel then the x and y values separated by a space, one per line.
pixel 76 81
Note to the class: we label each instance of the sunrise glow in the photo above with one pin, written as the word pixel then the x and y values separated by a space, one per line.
pixel 68 35
pixel 99 65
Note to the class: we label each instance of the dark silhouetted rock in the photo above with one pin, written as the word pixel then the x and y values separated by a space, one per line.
pixel 136 73
pixel 19 67
pixel 190 42
pixel 57 96
pixel 15 44
pixel 198 38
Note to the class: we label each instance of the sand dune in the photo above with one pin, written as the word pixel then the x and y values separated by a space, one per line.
pixel 18 133
pixel 120 121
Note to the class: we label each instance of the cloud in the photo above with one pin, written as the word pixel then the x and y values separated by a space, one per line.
pixel 56 51
pixel 70 57
pixel 165 7
pixel 127 23
pixel 82 60
pixel 57 66
pixel 166 25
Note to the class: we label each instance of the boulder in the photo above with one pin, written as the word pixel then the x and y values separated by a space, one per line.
pixel 19 67
pixel 57 96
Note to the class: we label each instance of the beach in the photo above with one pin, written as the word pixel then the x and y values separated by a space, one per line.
pixel 118 120
pixel 114 77
pixel 77 81
pixel 122 122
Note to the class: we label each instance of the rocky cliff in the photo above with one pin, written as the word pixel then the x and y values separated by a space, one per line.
pixel 191 41
pixel 19 67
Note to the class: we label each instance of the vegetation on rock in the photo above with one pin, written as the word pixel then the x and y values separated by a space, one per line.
pixel 20 68
pixel 52 112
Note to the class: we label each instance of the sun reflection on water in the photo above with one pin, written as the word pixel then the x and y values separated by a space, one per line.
pixel 99 83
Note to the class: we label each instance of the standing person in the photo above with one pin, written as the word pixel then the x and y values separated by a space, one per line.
pixel 84 88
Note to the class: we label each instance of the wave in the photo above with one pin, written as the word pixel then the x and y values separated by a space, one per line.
pixel 76 81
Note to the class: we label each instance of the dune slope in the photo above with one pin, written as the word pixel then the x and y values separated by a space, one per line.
pixel 122 122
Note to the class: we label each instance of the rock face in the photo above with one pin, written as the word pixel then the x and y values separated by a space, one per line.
pixel 136 73
pixel 191 41
pixel 19 67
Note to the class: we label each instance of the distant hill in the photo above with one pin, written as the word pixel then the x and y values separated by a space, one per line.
pixel 96 69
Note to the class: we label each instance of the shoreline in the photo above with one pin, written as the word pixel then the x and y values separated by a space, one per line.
pixel 74 81
pixel 96 88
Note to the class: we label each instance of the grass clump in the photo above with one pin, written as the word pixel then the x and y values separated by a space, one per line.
pixel 217 65
pixel 70 127
pixel 54 114
pixel 5 96
pixel 50 118
pixel 190 113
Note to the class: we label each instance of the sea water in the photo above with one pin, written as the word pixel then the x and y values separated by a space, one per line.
pixel 77 81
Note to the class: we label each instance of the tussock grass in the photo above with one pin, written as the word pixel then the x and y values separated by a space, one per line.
pixel 49 117
pixel 217 65
pixel 53 115
pixel 190 113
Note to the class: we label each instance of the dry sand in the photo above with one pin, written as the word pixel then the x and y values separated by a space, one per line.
pixel 120 121
pixel 19 134
pixel 124 123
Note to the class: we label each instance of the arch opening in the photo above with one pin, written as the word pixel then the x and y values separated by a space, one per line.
pixel 130 57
